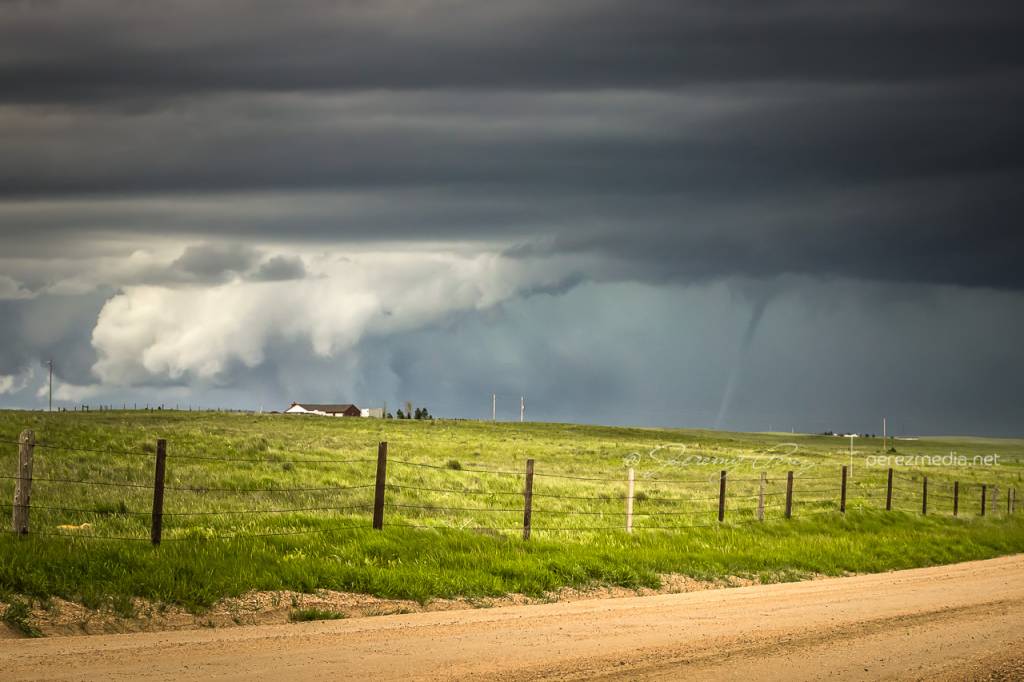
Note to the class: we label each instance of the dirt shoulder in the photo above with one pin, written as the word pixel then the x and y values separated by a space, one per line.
pixel 951 622
pixel 58 617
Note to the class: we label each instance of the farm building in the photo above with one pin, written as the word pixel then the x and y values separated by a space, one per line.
pixel 343 410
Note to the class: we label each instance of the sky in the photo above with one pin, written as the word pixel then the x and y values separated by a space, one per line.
pixel 754 216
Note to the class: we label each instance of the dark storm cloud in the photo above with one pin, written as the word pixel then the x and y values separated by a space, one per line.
pixel 213 262
pixel 279 269
pixel 911 183
pixel 681 141
pixel 659 142
pixel 94 51
pixel 707 143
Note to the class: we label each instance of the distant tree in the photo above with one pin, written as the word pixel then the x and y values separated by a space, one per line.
pixel 389 416
pixel 400 414
pixel 419 413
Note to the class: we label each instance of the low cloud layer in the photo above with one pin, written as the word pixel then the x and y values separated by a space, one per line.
pixel 11 289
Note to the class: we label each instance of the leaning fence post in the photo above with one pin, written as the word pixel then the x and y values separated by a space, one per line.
pixel 528 500
pixel 842 494
pixel 629 501
pixel 157 528
pixel 23 482
pixel 789 495
pixel 924 496
pixel 984 497
pixel 721 497
pixel 888 492
pixel 761 494
pixel 378 491
pixel 956 498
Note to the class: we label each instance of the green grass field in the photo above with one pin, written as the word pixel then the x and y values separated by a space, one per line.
pixel 271 502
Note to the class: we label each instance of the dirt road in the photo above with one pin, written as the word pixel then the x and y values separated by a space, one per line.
pixel 955 622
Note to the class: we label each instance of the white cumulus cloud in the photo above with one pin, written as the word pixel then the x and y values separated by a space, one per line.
pixel 153 333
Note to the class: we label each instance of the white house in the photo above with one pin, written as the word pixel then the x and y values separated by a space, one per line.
pixel 341 410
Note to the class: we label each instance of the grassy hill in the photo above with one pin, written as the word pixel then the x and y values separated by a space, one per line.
pixel 284 502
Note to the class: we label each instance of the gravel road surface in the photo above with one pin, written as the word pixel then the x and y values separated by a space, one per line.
pixel 964 621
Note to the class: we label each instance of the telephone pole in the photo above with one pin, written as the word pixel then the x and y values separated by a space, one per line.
pixel 50 364
pixel 494 407
pixel 852 436
pixel 522 407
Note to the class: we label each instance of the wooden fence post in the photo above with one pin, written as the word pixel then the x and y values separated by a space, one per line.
pixel 888 492
pixel 380 483
pixel 528 500
pixel 1011 500
pixel 984 497
pixel 924 496
pixel 789 494
pixel 842 494
pixel 629 501
pixel 761 494
pixel 721 497
pixel 157 527
pixel 23 483
pixel 956 498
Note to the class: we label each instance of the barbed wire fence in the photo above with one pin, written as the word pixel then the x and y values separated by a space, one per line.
pixel 517 501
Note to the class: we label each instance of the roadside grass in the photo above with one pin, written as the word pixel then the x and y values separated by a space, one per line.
pixel 452 526
pixel 418 564
pixel 305 615
pixel 17 614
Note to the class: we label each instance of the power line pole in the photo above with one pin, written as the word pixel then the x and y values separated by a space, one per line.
pixel 50 363
pixel 494 407
pixel 851 453
pixel 522 408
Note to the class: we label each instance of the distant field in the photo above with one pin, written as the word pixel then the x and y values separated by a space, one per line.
pixel 283 502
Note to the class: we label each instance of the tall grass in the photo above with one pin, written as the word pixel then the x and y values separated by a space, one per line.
pixel 453 530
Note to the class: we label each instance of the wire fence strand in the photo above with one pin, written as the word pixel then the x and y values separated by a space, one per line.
pixel 647 510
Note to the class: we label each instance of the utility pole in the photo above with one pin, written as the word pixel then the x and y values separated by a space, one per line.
pixel 522 408
pixel 852 436
pixel 50 363
pixel 885 432
pixel 494 407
